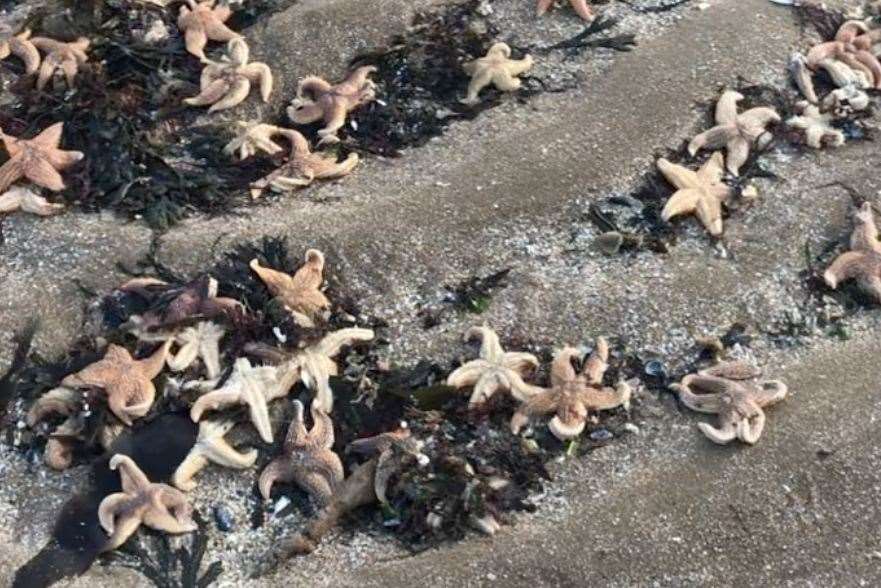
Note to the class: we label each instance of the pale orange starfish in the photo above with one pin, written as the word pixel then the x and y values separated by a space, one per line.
pixel 21 46
pixel 59 55
pixel 863 262
pixel 38 159
pixel 852 46
pixel 203 21
pixel 300 293
pixel 581 8
pixel 127 382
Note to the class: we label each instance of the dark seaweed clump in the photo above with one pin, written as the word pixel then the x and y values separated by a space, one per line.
pixel 143 156
pixel 472 295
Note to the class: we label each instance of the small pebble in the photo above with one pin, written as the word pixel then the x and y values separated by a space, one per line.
pixel 601 435
pixel 281 504
pixel 224 518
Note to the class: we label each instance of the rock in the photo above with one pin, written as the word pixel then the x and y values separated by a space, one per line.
pixel 224 518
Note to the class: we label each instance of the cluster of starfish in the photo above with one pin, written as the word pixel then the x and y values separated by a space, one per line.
pixel 60 56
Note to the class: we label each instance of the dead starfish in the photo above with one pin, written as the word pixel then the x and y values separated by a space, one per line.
pixel 318 100
pixel 66 57
pixel 496 68
pixel 701 193
pixel 38 159
pixel 127 382
pixel 65 402
pixel 303 167
pixel 739 404
pixel 852 46
pixel 197 299
pixel 253 386
pixel 26 200
pixel 863 262
pixel 393 451
pixel 314 364
pixel 817 126
pixel 202 340
pixel 300 293
pixel 21 46
pixel 211 447
pixel 158 506
pixel 203 21
pixel 227 83
pixel 307 458
pixel 253 138
pixel 737 133
pixel 495 370
pixel 581 8
pixel 573 394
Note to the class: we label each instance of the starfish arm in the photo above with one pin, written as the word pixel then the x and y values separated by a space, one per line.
pixel 130 398
pixel 712 171
pixel 195 39
pixel 750 428
pixel 468 374
pixel 310 274
pixel 855 64
pixel 724 434
pixel 871 283
pixel 278 470
pixel 711 384
pixel 714 138
pixel 50 137
pixel 543 6
pixel 332 343
pixel 842 75
pixel 606 398
pixel 162 520
pixel 61 401
pixel 709 211
pixel 486 386
pixel 814 135
pixel 732 370
pixel 225 455
pixel 315 485
pixel 217 31
pixel 582 9
pixel 705 403
pixel 519 389
pixel 130 475
pixel 520 362
pixel 27 52
pixel 754 121
pixel 41 172
pixel 505 81
pixel 187 470
pixel 276 282
pixel 260 72
pixel 108 508
pixel 865 232
pixel 479 80
pixel 681 202
pixel 222 12
pixel 61 160
pixel 47 69
pixel 490 347
pixel 872 63
pixel 96 375
pixel 283 183
pixel 738 153
pixel 297 435
pixel 569 425
pixel 803 77
pixel 10 171
pixel 259 412
pixel 678 175
pixel 225 396
pixel 770 392
pixel 386 468
pixel 184 357
pixel 338 170
pixel 539 404
pixel 304 113
pixel 238 92
pixel 151 367
pixel 334 119
pixel 321 434
pixel 210 352
pixel 846 266
pixel 124 527
pixel 70 68
pixel 58 453
pixel 726 107
pixel 596 365
pixel 214 92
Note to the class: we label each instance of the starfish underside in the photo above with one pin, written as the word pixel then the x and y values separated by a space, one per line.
pixel 701 193
pixel 21 46
pixel 38 160
pixel 254 138
pixel 227 83
pixel 64 57
pixel 496 68
pixel 211 447
pixel 863 262
pixel 202 340
pixel 817 126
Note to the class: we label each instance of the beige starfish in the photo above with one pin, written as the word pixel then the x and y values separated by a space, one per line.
pixel 739 404
pixel 852 46
pixel 307 458
pixel 317 100
pixel 393 451
pixel 202 340
pixel 303 167
pixel 817 126
pixel 128 383
pixel 580 6
pixel 158 506
pixel 252 386
pixel 203 21
pixel 701 193
pixel 863 262
pixel 254 138
pixel 737 133
pixel 38 159
pixel 573 394
pixel 66 402
pixel 66 57
pixel 314 364
pixel 227 83
pixel 21 46
pixel 495 370
pixel 211 447
pixel 300 293
pixel 496 68
pixel 24 199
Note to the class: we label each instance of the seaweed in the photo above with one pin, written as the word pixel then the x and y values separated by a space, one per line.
pixel 471 295
pixel 575 44
pixel 10 378
pixel 665 6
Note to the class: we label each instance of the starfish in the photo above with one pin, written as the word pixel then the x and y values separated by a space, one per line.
pixel 26 200
pixel 303 167
pixel 496 68
pixel 203 21
pixel 202 340
pixel 314 364
pixel 739 404
pixel 863 262
pixel 253 138
pixel 21 46
pixel 701 193
pixel 495 370
pixel 66 57
pixel 736 132
pixel 38 159
pixel 393 451
pixel 300 293
pixel 127 382
pixel 197 299
pixel 66 402
pixel 580 6
pixel 307 458
pixel 318 100
pixel 852 46
pixel 158 506
pixel 573 394
pixel 817 126
pixel 253 386
pixel 227 83
pixel 211 447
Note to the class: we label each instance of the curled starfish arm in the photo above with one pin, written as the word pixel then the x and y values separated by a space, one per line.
pixel 726 107
pixel 162 520
pixel 561 368
pixel 582 9
pixel 750 428
pixel 237 93
pixel 316 485
pixel 597 363
pixel 606 398
pixel 195 39
pixel 213 401
pixel 62 401
pixel 210 94
pixel 754 121
pixel 705 403
pixel 260 73
pixel 732 370
pixel 218 31
pixel 130 475
pixel 770 392
pixel 334 120
pixel 738 153
pixel 865 233
pixel 108 508
pixel 714 138
pixel 131 399
pixel 872 63
pixel 539 404
pixel 21 46
pixel 187 470
pixel 725 433
pixel 519 362
pixel 849 265
pixel 304 113
pixel 332 343
pixel 679 176
pixel 329 168
pixel 321 434
pixel 278 470
pixel 490 347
